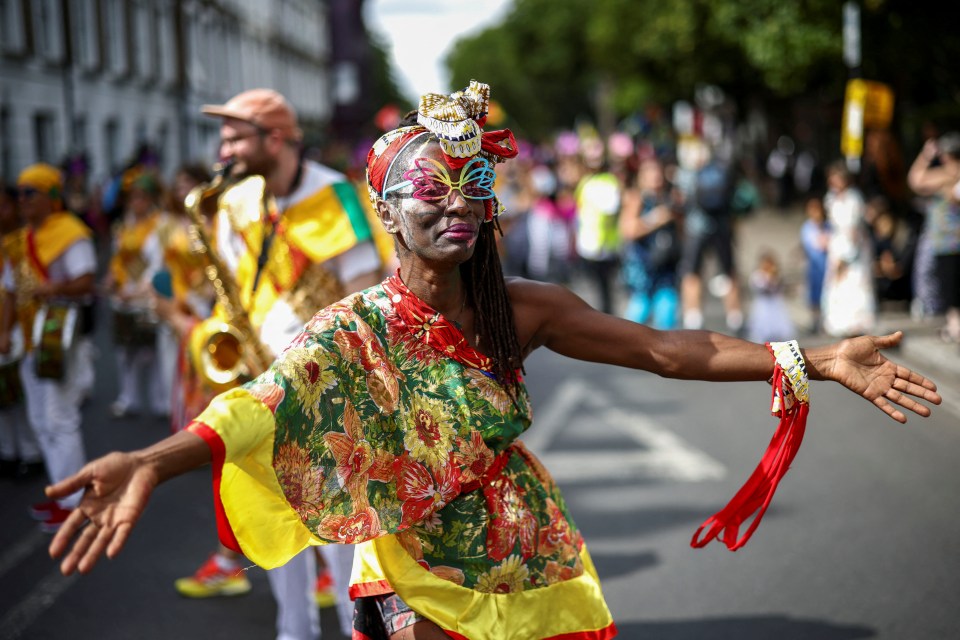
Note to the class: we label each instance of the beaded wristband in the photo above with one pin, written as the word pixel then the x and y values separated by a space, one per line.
pixel 788 356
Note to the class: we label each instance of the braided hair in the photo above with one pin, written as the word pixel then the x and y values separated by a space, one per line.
pixel 493 314
pixel 486 289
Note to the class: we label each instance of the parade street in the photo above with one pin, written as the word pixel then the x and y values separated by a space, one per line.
pixel 858 543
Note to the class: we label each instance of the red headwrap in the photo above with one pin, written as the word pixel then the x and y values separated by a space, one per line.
pixel 456 121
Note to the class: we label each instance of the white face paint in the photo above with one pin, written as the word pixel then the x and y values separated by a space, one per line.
pixel 440 231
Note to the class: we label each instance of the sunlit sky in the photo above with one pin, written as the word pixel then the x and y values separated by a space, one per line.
pixel 419 34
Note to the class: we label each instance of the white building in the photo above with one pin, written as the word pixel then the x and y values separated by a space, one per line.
pixel 105 76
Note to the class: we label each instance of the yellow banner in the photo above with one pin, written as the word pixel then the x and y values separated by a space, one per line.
pixel 867 105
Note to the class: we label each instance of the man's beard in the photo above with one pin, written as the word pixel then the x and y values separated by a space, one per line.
pixel 261 165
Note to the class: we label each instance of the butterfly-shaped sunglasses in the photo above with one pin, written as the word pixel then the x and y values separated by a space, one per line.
pixel 432 183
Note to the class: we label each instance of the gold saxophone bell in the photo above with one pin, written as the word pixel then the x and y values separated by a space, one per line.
pixel 223 357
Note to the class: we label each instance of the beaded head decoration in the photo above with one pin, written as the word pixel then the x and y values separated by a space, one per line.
pixel 456 122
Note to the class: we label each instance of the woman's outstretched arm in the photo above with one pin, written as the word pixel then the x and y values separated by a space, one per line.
pixel 553 317
pixel 116 490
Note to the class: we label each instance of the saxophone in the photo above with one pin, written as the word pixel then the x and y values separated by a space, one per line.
pixel 234 352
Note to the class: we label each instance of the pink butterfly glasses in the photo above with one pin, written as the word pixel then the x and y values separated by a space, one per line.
pixel 432 183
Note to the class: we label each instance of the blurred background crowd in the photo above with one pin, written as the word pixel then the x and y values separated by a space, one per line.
pixel 653 136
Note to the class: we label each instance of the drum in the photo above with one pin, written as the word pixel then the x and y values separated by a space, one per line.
pixel 11 389
pixel 134 326
pixel 54 333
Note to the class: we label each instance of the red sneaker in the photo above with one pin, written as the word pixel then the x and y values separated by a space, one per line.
pixel 323 591
pixel 211 580
pixel 42 510
pixel 57 517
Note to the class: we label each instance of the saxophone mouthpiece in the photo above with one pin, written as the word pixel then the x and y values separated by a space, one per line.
pixel 223 169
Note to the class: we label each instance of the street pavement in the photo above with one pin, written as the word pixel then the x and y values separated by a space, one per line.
pixel 858 543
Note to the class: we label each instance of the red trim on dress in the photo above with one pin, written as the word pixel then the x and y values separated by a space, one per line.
pixel 219 453
pixel 366 589
pixel 599 634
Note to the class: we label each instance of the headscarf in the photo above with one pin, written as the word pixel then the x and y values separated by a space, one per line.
pixel 456 121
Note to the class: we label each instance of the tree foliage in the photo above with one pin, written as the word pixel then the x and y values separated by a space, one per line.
pixel 547 59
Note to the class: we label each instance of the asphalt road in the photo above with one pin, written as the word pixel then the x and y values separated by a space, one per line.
pixel 859 542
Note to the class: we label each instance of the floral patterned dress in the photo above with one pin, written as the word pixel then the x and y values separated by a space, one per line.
pixel 380 426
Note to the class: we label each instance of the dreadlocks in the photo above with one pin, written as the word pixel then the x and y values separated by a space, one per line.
pixel 493 313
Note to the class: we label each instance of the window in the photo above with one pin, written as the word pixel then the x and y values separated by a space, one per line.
pixel 115 36
pixel 166 53
pixel 6 149
pixel 111 145
pixel 83 18
pixel 44 137
pixel 161 143
pixel 47 29
pixel 12 28
pixel 79 139
pixel 144 50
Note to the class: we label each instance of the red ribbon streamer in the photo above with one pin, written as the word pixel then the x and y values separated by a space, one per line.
pixel 757 492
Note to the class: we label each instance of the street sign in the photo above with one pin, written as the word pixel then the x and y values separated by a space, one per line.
pixel 867 105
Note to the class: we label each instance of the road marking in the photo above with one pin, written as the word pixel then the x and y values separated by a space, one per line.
pixel 660 453
pixel 553 417
pixel 21 616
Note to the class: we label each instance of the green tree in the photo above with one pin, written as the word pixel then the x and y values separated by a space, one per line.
pixel 536 60
pixel 548 59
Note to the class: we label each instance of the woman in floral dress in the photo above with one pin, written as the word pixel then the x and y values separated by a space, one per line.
pixel 392 421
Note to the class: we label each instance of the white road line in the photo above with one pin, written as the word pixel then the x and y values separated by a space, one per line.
pixel 551 419
pixel 661 453
pixel 586 466
pixel 13 555
pixel 19 618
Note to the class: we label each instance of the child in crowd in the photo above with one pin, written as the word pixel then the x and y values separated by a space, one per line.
pixel 814 238
pixel 769 319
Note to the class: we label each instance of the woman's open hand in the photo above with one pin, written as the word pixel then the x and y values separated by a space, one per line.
pixel 859 366
pixel 116 490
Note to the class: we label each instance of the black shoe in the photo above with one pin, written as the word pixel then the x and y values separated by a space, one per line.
pixel 31 470
pixel 9 468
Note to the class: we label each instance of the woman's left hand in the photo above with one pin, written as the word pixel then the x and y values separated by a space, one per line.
pixel 859 366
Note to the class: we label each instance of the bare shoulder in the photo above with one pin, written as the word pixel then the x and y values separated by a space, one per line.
pixel 525 293
pixel 535 304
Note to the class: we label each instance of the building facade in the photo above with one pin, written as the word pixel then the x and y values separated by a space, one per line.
pixel 104 78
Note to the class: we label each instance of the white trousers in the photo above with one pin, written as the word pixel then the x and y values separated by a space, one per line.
pixel 135 364
pixel 293 588
pixel 86 353
pixel 53 409
pixel 168 352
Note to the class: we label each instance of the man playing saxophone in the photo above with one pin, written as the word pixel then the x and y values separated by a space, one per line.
pixel 292 237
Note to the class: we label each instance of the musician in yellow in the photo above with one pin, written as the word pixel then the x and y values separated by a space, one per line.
pixel 60 260
pixel 281 233
pixel 184 288
pixel 137 257
pixel 20 455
